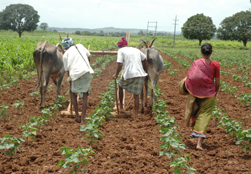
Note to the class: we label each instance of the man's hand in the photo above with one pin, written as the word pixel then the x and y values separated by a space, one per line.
pixel 115 76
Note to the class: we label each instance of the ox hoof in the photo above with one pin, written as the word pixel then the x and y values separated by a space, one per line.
pixel 142 111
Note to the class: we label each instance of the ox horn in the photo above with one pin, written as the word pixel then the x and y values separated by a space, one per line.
pixel 152 42
pixel 67 35
pixel 60 37
pixel 144 43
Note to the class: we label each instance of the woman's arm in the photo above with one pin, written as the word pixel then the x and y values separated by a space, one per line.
pixel 217 84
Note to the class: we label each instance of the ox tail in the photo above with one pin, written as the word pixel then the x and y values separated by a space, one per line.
pixel 40 74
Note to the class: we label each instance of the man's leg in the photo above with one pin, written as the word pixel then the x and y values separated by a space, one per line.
pixel 136 106
pixel 84 106
pixel 75 104
pixel 121 97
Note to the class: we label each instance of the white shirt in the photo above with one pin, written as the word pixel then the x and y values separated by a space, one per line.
pixel 74 62
pixel 132 62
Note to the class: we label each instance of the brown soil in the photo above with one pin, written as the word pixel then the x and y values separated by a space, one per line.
pixel 128 146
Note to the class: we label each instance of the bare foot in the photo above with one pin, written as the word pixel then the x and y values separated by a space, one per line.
pixel 199 148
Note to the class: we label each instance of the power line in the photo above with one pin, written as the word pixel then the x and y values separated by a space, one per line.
pixel 225 12
pixel 149 26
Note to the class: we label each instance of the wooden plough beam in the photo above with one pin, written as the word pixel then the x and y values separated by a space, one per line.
pixel 104 52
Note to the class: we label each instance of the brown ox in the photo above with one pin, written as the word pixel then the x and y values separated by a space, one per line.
pixel 48 61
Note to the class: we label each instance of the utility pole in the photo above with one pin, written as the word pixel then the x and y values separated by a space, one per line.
pixel 148 26
pixel 250 8
pixel 175 29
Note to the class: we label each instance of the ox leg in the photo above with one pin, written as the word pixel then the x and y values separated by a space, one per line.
pixel 45 82
pixel 152 93
pixel 59 84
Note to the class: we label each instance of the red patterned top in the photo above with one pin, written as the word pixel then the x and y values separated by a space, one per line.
pixel 216 67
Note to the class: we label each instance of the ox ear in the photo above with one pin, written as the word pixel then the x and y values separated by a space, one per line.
pixel 144 43
pixel 60 36
pixel 60 48
pixel 152 42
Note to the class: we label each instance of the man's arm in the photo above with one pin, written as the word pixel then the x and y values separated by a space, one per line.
pixel 119 67
pixel 144 62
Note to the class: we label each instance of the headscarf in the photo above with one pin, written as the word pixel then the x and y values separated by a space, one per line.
pixel 67 42
pixel 122 42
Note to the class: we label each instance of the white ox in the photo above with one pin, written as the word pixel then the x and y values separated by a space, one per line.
pixel 154 69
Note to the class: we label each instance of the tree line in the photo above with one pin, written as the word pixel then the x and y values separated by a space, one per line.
pixel 236 27
pixel 22 17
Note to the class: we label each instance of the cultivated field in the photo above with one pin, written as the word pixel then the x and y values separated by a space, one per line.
pixel 122 145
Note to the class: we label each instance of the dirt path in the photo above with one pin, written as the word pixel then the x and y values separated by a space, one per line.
pixel 221 154
pixel 128 146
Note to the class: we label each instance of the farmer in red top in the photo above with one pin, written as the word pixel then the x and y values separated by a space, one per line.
pixel 203 82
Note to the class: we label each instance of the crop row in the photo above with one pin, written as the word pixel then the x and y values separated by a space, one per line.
pixel 234 129
pixel 74 158
pixel 229 59
pixel 171 142
pixel 181 61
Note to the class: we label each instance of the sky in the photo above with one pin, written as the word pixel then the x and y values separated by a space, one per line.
pixel 129 13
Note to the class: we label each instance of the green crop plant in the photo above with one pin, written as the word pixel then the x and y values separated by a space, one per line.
pixel 18 104
pixel 97 72
pixel 75 158
pixel 61 100
pixel 35 94
pixel 92 131
pixel 180 164
pixel 10 144
pixel 167 65
pixel 3 111
pixel 29 131
pixel 244 138
pixel 39 122
pixel 246 99
pixel 50 88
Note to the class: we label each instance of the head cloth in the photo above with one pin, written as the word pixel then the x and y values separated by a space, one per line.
pixel 67 42
pixel 122 42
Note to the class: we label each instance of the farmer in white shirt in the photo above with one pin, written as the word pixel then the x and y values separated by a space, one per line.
pixel 131 59
pixel 76 62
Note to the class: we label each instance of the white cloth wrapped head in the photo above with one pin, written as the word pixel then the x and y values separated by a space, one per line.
pixel 67 42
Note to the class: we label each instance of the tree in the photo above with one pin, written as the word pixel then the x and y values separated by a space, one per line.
pixel 78 32
pixel 43 26
pixel 19 18
pixel 101 33
pixel 87 33
pixel 141 33
pixel 198 27
pixel 236 27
